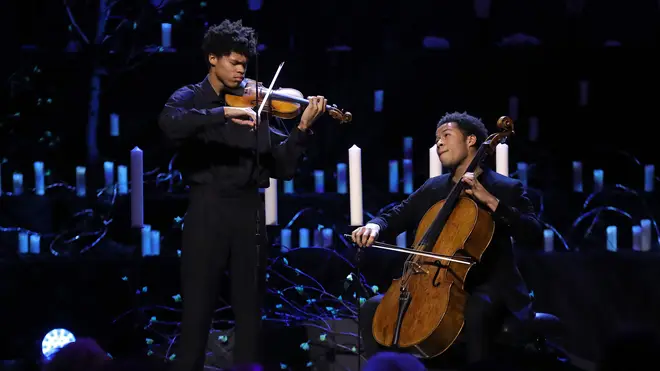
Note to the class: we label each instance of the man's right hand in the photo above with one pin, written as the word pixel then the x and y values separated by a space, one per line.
pixel 241 116
pixel 365 236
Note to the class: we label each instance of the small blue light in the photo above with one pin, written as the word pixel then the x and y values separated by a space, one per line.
pixel 303 237
pixel 254 4
pixel 378 100
pixel 288 186
pixel 342 187
pixel 577 177
pixel 394 176
pixel 522 173
pixel 319 181
pixel 598 180
pixel 434 42
pixel 407 176
pixel 408 148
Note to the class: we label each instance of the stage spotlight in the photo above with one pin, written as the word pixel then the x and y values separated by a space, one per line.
pixel 54 340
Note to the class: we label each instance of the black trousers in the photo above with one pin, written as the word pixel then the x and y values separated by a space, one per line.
pixel 482 314
pixel 219 233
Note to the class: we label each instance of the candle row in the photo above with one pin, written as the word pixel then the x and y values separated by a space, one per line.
pixel 641 237
pixel 599 175
pixel 29 243
pixel 81 189
pixel 322 238
pixel 355 179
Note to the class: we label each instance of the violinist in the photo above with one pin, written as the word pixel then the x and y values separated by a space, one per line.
pixel 217 154
pixel 495 284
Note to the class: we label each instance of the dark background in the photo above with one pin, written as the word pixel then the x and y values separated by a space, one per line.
pixel 477 74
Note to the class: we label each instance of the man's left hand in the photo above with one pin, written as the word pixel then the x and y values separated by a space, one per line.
pixel 476 190
pixel 315 108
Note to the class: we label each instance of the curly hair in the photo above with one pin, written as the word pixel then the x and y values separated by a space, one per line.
pixel 227 37
pixel 469 125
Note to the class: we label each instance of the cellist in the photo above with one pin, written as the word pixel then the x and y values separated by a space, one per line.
pixel 493 284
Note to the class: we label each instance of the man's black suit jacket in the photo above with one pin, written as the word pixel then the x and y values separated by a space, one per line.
pixel 497 274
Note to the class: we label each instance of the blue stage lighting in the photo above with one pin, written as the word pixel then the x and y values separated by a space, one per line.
pixel 54 340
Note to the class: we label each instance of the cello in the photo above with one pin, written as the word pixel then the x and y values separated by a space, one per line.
pixel 423 309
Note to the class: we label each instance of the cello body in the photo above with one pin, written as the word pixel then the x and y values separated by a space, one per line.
pixel 434 317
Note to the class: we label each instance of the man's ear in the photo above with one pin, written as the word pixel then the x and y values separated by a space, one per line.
pixel 472 140
pixel 213 59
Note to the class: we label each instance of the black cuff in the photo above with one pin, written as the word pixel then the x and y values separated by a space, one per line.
pixel 505 214
pixel 301 137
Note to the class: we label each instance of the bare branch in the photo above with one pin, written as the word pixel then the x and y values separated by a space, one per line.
pixel 74 24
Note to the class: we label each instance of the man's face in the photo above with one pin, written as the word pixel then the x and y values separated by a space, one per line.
pixel 453 145
pixel 229 69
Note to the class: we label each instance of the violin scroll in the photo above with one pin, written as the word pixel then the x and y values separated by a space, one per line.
pixel 505 124
pixel 339 115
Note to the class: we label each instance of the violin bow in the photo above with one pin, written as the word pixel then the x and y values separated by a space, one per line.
pixel 270 89
pixel 407 250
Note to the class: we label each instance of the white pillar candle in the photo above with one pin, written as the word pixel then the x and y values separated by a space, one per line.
pixel 114 125
pixel 18 184
pixel 636 238
pixel 155 243
pixel 645 225
pixel 166 35
pixel 146 240
pixel 355 181
pixel 271 202
pixel 319 181
pixel 39 181
pixel 649 178
pixel 342 188
pixel 513 107
pixel 435 166
pixel 407 176
pixel 584 93
pixel 577 177
pixel 81 183
pixel 303 237
pixel 122 179
pixel 35 243
pixel 502 159
pixel 23 243
pixel 394 176
pixel 534 128
pixel 109 176
pixel 548 240
pixel 598 180
pixel 137 188
pixel 611 238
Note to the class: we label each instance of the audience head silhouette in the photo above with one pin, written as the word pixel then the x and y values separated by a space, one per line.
pixel 82 355
pixel 391 361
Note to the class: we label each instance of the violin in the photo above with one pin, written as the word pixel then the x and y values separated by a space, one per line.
pixel 423 309
pixel 284 103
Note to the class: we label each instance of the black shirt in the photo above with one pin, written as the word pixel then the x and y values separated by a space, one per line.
pixel 214 150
